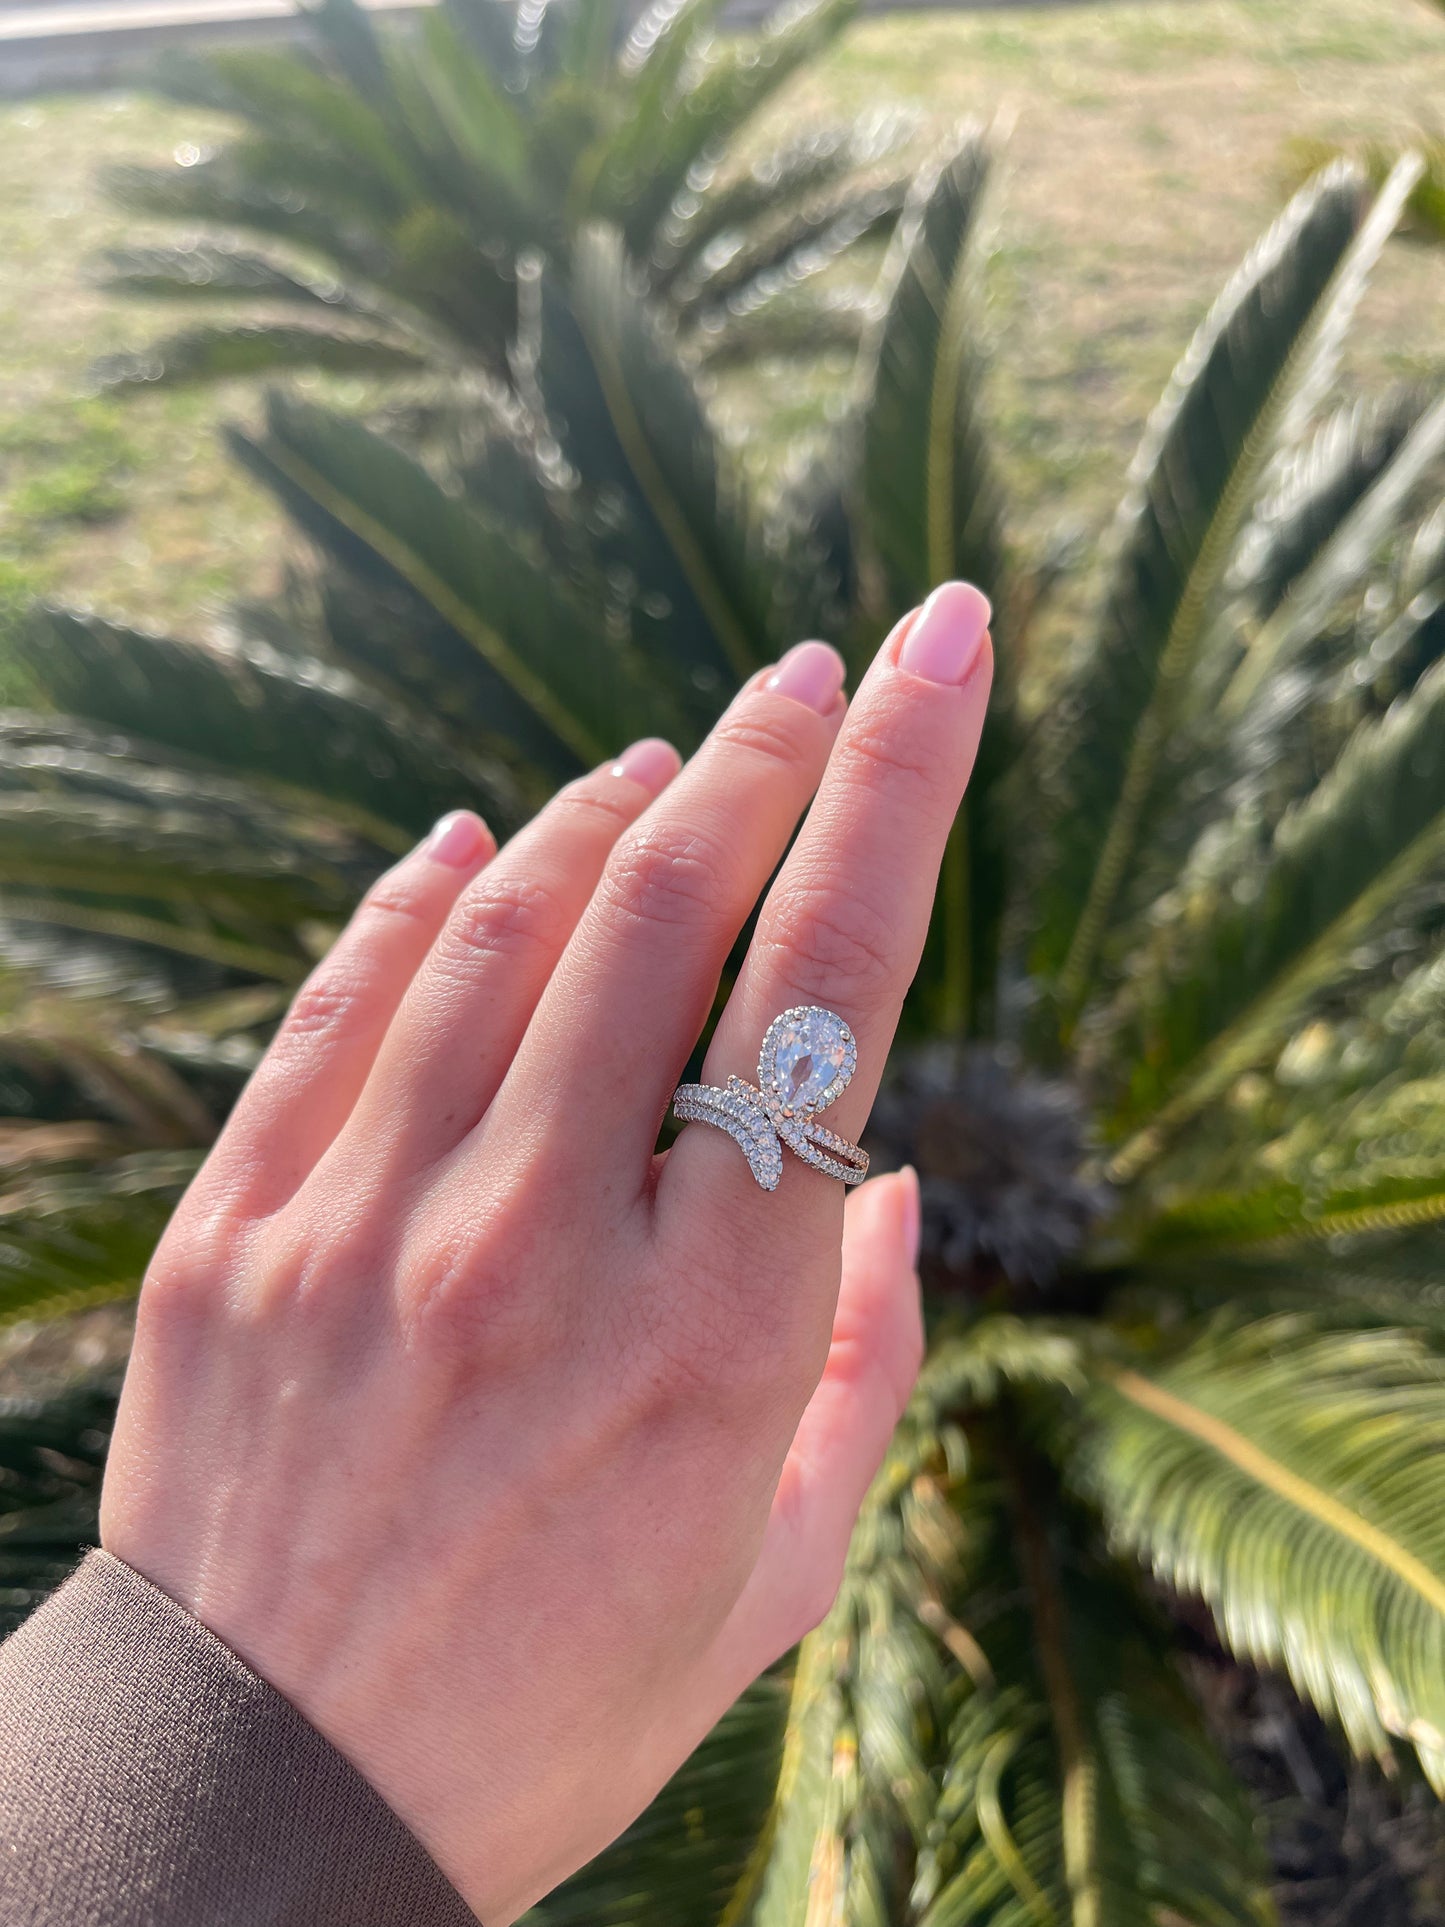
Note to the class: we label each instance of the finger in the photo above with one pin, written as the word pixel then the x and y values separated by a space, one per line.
pixel 472 998
pixel 305 1087
pixel 873 1361
pixel 630 996
pixel 845 921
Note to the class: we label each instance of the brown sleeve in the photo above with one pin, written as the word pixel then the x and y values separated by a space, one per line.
pixel 149 1779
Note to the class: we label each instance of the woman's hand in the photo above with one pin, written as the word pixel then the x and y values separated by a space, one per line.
pixel 507 1450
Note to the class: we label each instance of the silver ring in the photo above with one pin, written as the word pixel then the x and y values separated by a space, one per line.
pixel 808 1058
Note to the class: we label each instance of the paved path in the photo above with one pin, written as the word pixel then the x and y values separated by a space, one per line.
pixel 54 44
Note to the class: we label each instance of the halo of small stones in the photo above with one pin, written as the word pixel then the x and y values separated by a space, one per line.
pixel 760 1124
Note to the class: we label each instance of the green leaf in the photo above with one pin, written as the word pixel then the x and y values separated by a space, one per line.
pixel 289 719
pixel 211 270
pixel 378 509
pixel 629 418
pixel 224 190
pixel 985 1727
pixel 84 1238
pixel 1297 1483
pixel 111 817
pixel 224 351
pixel 1257 935
pixel 932 501
pixel 1079 1786
pixel 52 1454
pixel 779 255
pixel 296 102
pixel 648 165
pixel 1319 487
pixel 1342 561
pixel 934 512
pixel 814 164
pixel 1200 463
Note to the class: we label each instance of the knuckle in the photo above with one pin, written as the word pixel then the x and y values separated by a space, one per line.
pixel 822 940
pixel 464 1304
pixel 393 899
pixel 327 1004
pixel 592 804
pixel 668 875
pixel 769 735
pixel 900 761
pixel 501 916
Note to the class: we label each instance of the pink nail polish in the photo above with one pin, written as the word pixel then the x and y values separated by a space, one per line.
pixel 946 637
pixel 458 840
pixel 812 673
pixel 912 1213
pixel 652 763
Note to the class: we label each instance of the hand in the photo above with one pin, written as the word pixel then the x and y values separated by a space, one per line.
pixel 506 1449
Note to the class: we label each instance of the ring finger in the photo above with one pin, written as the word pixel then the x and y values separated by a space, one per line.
pixel 845 921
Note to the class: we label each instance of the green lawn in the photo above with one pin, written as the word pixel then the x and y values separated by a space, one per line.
pixel 1147 147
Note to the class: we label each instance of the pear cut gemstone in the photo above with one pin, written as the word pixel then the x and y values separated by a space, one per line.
pixel 810 1049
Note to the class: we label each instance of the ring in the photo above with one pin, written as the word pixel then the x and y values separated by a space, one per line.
pixel 808 1058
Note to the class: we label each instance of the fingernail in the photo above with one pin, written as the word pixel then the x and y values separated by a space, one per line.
pixel 944 642
pixel 652 763
pixel 812 674
pixel 458 839
pixel 912 1213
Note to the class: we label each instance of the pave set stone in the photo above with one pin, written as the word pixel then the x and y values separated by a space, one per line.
pixel 808 1057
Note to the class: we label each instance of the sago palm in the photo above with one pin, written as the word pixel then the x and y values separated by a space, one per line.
pixel 1174 1063
pixel 374 204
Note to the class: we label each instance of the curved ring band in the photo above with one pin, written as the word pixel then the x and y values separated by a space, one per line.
pixel 808 1057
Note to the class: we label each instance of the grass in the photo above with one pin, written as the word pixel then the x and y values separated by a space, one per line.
pixel 1146 149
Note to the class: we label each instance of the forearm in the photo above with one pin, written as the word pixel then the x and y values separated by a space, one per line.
pixel 148 1778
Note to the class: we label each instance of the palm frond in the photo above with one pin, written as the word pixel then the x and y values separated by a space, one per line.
pixel 934 509
pixel 288 719
pixel 1206 448
pixel 744 273
pixel 232 349
pixel 108 821
pixel 52 1454
pixel 1319 486
pixel 720 90
pixel 717 204
pixel 799 322
pixel 68 1240
pixel 628 417
pixel 1079 1784
pixel 215 270
pixel 1261 935
pixel 1296 1483
pixel 1342 561
pixel 222 191
pixel 539 658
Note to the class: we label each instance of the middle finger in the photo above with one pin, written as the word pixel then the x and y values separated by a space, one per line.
pixel 628 999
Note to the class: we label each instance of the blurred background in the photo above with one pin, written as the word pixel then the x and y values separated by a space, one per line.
pixel 409 406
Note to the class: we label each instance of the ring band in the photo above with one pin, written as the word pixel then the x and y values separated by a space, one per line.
pixel 808 1058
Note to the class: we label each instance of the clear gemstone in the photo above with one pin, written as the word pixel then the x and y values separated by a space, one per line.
pixel 809 1052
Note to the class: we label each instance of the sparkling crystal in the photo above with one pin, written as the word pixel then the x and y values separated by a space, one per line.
pixel 809 1051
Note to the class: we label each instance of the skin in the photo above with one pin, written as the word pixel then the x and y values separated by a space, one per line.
pixel 507 1449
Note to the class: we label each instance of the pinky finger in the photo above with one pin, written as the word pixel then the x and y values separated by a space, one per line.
pixel 876 1350
pixel 305 1087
